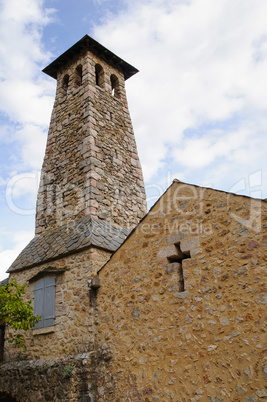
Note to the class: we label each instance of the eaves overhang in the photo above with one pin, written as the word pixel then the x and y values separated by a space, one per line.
pixel 88 43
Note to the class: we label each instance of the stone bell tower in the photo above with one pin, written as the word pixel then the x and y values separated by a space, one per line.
pixel 91 166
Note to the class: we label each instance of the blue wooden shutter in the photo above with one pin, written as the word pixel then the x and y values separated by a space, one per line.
pixel 49 302
pixel 39 302
pixel 44 302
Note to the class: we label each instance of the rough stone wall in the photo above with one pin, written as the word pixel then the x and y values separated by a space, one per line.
pixel 71 378
pixel 91 164
pixel 182 302
pixel 74 329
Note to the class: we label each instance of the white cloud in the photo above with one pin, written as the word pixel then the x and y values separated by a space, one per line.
pixel 201 62
pixel 199 152
pixel 21 25
pixel 20 187
pixel 32 139
pixel 26 100
pixel 7 257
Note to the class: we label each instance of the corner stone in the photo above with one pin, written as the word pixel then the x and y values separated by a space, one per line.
pixel 189 244
pixel 169 252
pixel 176 238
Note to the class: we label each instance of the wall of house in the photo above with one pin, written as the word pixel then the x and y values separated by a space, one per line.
pixel 190 334
pixel 73 332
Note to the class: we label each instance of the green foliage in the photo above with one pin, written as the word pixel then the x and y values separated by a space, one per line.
pixel 67 371
pixel 45 368
pixel 14 312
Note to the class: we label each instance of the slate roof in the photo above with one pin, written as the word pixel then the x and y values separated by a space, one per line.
pixel 103 53
pixel 4 282
pixel 68 239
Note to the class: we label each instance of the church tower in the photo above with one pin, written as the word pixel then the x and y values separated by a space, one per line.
pixel 91 166
pixel 91 195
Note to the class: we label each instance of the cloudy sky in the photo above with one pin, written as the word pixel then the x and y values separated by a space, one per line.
pixel 198 104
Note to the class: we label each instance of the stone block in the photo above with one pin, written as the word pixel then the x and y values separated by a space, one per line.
pixel 94 283
pixel 195 251
pixel 182 295
pixel 251 398
pixel 176 238
pixel 173 267
pixel 261 298
pixel 170 252
pixel 224 321
pixel 189 244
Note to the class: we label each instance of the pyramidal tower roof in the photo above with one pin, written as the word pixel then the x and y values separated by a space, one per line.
pixel 88 43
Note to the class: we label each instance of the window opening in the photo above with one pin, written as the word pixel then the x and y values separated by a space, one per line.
pixel 79 75
pixel 179 247
pixel 66 84
pixel 175 262
pixel 115 91
pixel 94 285
pixel 44 302
pixel 99 76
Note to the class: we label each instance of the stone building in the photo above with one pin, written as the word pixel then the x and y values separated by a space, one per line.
pixel 135 306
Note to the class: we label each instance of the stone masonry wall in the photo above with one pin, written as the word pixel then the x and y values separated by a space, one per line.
pixel 91 164
pixel 182 302
pixel 71 378
pixel 74 329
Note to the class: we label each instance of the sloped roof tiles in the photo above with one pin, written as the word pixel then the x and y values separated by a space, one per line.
pixel 69 238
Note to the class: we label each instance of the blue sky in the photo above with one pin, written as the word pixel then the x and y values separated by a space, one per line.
pixel 198 104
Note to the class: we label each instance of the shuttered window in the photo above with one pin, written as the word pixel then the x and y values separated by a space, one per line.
pixel 44 301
